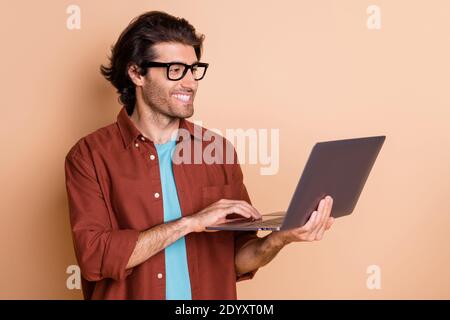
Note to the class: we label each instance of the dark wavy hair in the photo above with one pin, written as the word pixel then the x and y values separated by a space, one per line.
pixel 135 44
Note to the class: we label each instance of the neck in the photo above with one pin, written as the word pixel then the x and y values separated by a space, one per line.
pixel 154 125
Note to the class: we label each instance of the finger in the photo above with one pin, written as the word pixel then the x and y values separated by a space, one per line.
pixel 316 226
pixel 320 214
pixel 222 204
pixel 243 204
pixel 329 208
pixel 329 223
pixel 234 209
pixel 225 202
pixel 321 210
pixel 308 225
pixel 246 209
pixel 250 208
pixel 255 213
pixel 327 212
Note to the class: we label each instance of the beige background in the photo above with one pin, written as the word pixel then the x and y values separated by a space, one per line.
pixel 310 68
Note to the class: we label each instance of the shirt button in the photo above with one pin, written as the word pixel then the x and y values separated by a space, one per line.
pixel 159 275
pixel 152 157
pixel 142 138
pixel 156 195
pixel 136 145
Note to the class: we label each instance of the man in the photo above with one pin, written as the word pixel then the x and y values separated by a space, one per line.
pixel 138 219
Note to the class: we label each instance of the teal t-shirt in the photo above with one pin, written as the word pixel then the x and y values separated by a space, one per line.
pixel 178 284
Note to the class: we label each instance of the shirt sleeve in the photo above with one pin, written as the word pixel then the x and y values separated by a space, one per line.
pixel 101 251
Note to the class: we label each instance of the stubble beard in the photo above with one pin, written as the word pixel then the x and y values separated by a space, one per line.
pixel 164 105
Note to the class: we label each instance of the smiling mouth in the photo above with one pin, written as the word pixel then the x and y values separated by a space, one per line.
pixel 185 98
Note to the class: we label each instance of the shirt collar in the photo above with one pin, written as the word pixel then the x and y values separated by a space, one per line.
pixel 130 133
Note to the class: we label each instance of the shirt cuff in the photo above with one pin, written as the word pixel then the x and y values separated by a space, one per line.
pixel 118 252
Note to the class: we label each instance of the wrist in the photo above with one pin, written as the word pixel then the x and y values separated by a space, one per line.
pixel 189 224
pixel 276 240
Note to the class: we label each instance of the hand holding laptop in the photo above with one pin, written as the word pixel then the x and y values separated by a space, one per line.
pixel 319 222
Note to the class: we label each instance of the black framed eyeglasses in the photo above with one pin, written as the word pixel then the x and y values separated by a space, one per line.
pixel 177 70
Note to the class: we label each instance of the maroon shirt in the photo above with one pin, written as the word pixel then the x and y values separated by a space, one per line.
pixel 114 191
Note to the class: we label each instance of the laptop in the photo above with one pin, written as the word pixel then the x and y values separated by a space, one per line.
pixel 337 168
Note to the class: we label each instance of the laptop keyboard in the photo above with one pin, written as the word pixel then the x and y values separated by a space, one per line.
pixel 269 223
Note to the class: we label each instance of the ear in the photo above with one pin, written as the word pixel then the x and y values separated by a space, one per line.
pixel 135 76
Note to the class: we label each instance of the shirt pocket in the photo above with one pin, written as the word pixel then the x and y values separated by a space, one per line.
pixel 211 194
pixel 222 241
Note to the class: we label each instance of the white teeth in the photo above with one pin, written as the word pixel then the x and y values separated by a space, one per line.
pixel 182 97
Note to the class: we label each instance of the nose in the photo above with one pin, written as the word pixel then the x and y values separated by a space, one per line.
pixel 188 80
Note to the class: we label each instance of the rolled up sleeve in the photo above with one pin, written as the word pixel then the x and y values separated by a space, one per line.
pixel 101 251
pixel 241 238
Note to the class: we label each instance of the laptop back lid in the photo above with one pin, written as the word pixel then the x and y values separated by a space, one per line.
pixel 337 168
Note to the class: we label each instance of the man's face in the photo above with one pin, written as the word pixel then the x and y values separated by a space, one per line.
pixel 166 96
